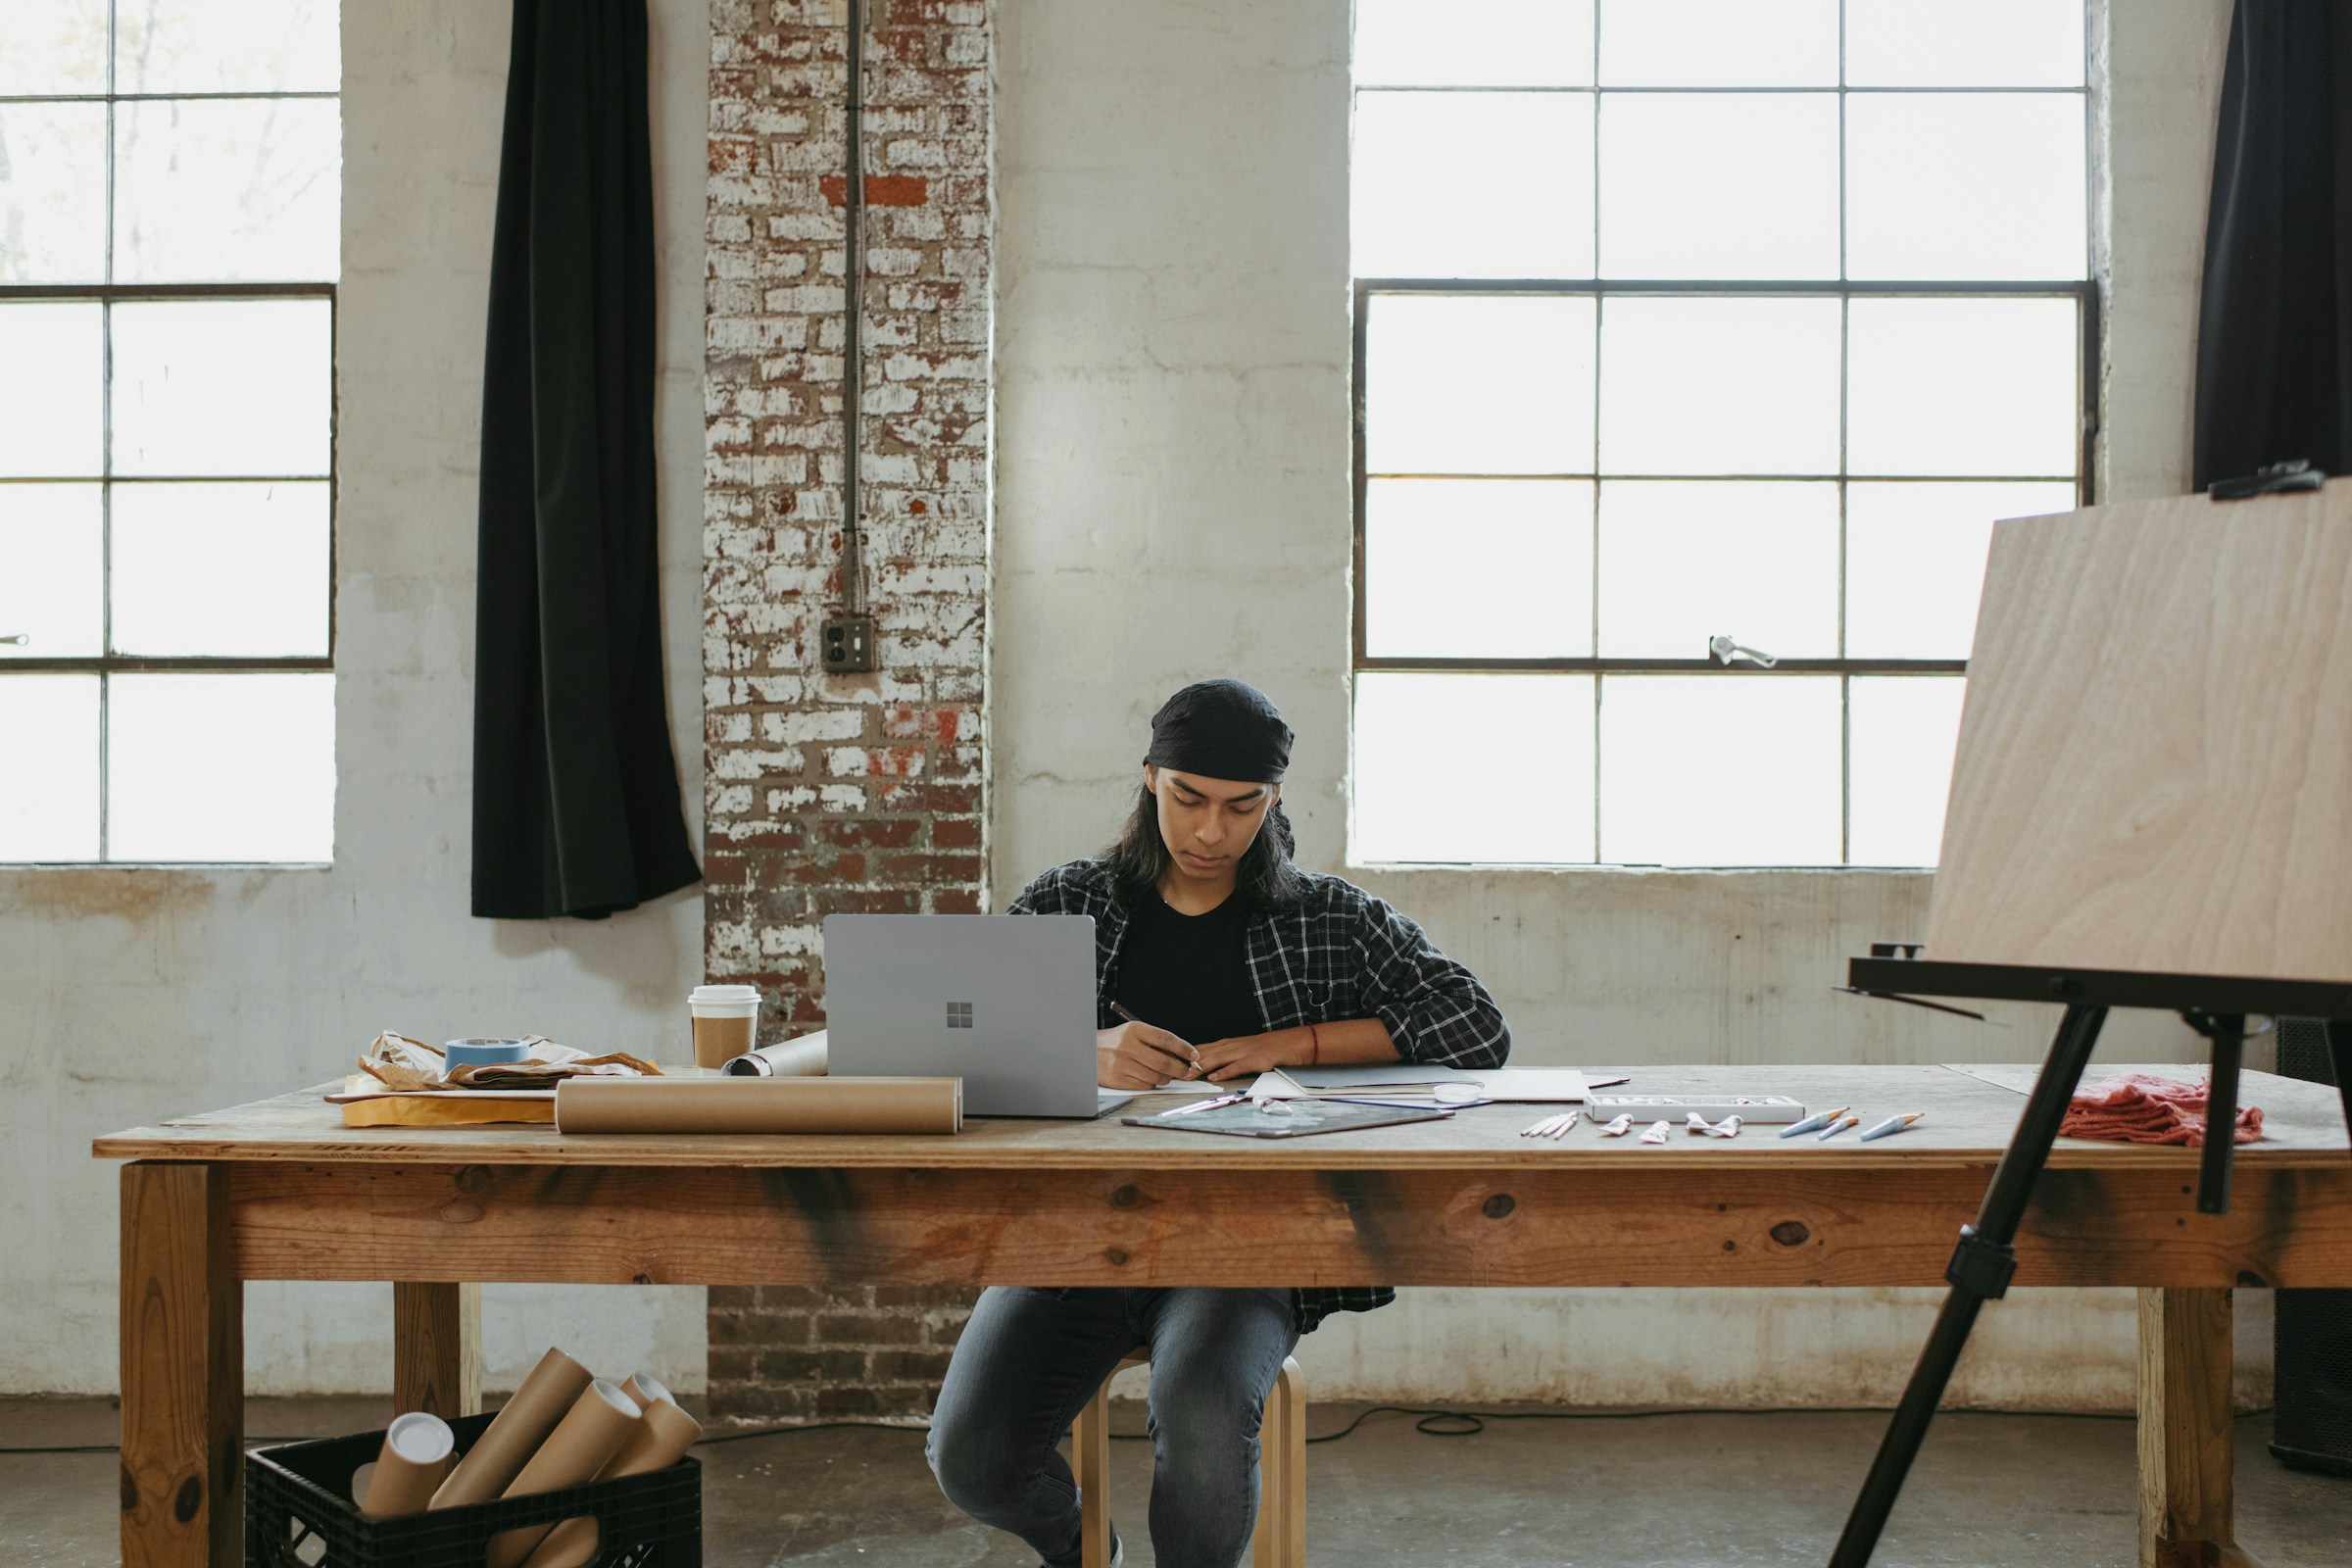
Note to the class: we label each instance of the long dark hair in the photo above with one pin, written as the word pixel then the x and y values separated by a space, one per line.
pixel 1267 877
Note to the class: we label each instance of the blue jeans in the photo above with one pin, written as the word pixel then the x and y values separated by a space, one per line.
pixel 1030 1359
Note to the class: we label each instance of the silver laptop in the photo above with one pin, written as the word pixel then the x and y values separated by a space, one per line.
pixel 1003 1001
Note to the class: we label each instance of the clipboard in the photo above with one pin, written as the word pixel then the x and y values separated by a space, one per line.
pixel 1301 1118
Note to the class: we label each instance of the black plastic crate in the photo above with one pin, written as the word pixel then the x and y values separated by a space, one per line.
pixel 299 1513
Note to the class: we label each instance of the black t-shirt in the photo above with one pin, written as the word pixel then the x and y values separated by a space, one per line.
pixel 1189 973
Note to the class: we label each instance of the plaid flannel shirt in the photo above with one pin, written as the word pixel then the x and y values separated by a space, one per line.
pixel 1336 953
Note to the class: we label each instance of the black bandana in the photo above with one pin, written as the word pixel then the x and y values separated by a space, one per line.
pixel 1221 730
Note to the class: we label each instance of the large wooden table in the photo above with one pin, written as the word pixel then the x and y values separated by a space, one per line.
pixel 280 1190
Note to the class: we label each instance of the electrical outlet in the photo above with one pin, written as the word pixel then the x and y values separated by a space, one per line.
pixel 848 645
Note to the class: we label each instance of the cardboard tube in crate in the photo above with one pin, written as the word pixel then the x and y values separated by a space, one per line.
pixel 661 1440
pixel 596 1104
pixel 414 1461
pixel 580 1447
pixel 506 1445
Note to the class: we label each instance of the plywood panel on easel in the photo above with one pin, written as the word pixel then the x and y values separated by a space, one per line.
pixel 2154 770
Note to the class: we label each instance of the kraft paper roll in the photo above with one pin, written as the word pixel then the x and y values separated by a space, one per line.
pixel 759 1106
pixel 581 1446
pixel 659 1441
pixel 414 1459
pixel 506 1445
pixel 803 1057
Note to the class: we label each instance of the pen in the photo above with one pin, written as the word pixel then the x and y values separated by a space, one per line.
pixel 1121 1010
pixel 1838 1125
pixel 1892 1124
pixel 1820 1118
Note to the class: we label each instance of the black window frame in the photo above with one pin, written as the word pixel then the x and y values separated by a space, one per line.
pixel 106 293
pixel 2086 292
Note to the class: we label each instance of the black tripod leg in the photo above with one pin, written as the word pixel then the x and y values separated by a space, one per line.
pixel 1980 1272
pixel 2339 1051
pixel 2228 1032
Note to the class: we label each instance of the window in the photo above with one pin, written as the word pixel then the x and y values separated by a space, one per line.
pixel 1682 319
pixel 170 191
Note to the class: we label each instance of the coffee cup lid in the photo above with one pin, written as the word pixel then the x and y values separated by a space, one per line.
pixel 723 994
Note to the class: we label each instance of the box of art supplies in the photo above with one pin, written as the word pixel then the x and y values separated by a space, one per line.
pixel 300 1512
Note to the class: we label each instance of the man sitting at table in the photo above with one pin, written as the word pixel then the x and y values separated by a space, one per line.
pixel 1228 960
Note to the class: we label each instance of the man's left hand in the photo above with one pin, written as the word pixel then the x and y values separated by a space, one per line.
pixel 1246 1055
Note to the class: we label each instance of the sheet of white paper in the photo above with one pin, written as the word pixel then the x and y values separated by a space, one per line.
pixel 1514 1085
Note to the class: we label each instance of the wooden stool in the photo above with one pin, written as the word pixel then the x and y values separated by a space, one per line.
pixel 1280 1540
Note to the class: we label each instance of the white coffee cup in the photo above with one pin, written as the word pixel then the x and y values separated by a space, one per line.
pixel 726 1022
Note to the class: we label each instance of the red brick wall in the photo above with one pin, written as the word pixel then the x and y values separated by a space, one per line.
pixel 860 793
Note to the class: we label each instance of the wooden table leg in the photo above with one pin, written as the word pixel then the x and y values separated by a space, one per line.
pixel 183 1370
pixel 437 1349
pixel 2186 1463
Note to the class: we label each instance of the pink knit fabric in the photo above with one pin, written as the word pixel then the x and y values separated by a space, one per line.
pixel 2139 1107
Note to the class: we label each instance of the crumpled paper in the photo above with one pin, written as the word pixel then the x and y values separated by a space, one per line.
pixel 412 1067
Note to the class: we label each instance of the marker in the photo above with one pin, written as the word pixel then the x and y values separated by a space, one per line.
pixel 1892 1124
pixel 1820 1118
pixel 1204 1104
pixel 1838 1124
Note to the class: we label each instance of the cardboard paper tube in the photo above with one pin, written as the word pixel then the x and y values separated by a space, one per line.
pixel 645 1389
pixel 659 1441
pixel 759 1106
pixel 506 1445
pixel 414 1459
pixel 803 1057
pixel 577 1451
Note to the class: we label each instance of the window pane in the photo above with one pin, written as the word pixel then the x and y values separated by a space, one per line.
pixel 49 787
pixel 1719 770
pixel 1915 562
pixel 51 419
pixel 1719 43
pixel 1442 185
pixel 1719 185
pixel 52 193
pixel 1497 568
pixel 52 572
pixel 1983 43
pixel 238 387
pixel 221 767
pixel 1965 185
pixel 1904 728
pixel 221 569
pixel 1719 386
pixel 1498 385
pixel 1408 43
pixel 1417 797
pixel 250 46
pixel 228 191
pixel 1948 386
pixel 1681 562
pixel 52 46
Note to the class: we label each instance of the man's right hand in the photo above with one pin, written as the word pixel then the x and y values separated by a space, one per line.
pixel 1140 1055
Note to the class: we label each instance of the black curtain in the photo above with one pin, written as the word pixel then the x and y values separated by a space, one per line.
pixel 576 789
pixel 2275 335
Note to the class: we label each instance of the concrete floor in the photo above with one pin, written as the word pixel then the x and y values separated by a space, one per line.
pixel 1661 1491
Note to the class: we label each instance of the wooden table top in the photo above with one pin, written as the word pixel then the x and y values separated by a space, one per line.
pixel 1971 1113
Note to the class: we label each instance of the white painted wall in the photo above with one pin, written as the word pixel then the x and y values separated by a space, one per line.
pixel 129 996
pixel 1173 502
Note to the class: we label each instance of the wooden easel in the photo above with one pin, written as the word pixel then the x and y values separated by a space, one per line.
pixel 2151 807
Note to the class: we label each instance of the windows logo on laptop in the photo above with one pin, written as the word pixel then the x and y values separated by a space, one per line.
pixel 960 1016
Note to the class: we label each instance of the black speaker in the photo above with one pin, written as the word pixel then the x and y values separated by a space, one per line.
pixel 2311 1377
